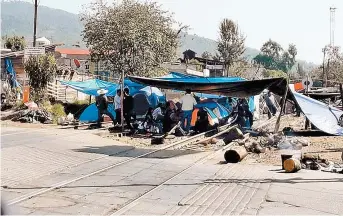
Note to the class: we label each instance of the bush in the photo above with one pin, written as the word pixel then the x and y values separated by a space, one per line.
pixel 57 111
pixel 46 105
pixel 274 74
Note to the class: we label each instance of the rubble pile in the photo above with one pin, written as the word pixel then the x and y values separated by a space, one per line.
pixel 33 116
pixel 315 162
pixel 288 147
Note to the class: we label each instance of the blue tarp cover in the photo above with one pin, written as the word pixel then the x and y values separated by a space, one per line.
pixel 319 114
pixel 90 87
pixel 90 114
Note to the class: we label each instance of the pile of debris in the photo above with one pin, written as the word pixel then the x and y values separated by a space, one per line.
pixel 315 162
pixel 33 114
pixel 289 147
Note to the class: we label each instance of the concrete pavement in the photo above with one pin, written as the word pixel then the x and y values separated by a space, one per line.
pixel 151 185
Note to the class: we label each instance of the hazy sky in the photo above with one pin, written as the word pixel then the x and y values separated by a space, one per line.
pixel 302 22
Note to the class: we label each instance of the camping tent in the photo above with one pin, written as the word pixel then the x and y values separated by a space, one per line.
pixel 90 114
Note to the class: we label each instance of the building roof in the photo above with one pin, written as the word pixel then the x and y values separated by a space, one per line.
pixel 189 51
pixel 69 51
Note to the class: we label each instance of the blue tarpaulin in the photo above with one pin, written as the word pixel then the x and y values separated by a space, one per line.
pixel 90 114
pixel 10 70
pixel 90 87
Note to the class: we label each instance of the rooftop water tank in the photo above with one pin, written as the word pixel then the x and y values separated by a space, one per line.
pixel 43 41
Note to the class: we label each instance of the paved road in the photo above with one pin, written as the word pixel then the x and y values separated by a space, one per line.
pixel 169 182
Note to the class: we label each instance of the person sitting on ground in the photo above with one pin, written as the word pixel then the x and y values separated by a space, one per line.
pixel 128 108
pixel 202 123
pixel 188 102
pixel 102 105
pixel 171 118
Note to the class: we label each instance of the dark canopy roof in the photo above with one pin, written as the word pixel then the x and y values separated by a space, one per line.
pixel 229 88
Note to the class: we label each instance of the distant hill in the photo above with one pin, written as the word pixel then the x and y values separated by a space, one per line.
pixel 63 27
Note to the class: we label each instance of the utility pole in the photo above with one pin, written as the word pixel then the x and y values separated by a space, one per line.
pixel 35 24
pixel 332 26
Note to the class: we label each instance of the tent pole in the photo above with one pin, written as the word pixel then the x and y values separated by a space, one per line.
pixel 277 124
pixel 122 101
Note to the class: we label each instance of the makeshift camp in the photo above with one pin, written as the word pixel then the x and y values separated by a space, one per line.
pixel 90 87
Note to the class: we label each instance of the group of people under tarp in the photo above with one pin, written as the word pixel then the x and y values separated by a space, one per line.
pixel 166 116
pixel 172 114
pixel 181 113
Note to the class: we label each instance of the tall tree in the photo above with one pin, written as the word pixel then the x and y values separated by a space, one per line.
pixel 272 49
pixel 274 57
pixel 15 43
pixel 133 37
pixel 231 43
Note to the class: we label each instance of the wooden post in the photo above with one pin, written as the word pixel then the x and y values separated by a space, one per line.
pixel 277 125
pixel 122 101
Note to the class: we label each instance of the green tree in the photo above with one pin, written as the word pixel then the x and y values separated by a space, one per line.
pixel 41 70
pixel 274 57
pixel 271 49
pixel 231 43
pixel 206 55
pixel 132 36
pixel 15 43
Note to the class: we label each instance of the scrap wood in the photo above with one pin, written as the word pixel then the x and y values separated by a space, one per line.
pixel 292 165
pixel 227 130
pixel 235 154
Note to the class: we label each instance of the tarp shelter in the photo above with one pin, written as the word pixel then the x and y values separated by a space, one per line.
pixel 235 87
pixel 322 116
pixel 190 78
pixel 90 87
